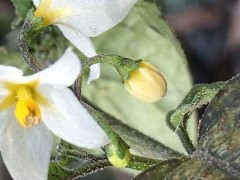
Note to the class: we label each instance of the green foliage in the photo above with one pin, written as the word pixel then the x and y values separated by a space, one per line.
pixel 199 95
pixel 218 149
pixel 160 170
pixel 145 35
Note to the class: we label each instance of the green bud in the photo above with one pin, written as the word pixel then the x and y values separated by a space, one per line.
pixel 118 156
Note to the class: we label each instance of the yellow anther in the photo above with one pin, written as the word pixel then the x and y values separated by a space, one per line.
pixel 49 14
pixel 27 112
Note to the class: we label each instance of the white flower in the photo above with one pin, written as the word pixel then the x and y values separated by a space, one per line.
pixel 80 19
pixel 31 107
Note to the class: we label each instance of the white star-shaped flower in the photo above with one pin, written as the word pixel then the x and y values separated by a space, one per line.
pixel 80 19
pixel 33 107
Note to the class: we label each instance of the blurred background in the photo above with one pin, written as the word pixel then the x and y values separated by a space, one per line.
pixel 208 30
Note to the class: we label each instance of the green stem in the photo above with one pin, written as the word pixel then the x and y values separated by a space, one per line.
pixel 182 134
pixel 30 28
pixel 186 141
pixel 122 64
pixel 23 44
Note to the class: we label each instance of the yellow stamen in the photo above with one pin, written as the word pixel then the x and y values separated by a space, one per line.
pixel 27 112
pixel 50 15
pixel 26 97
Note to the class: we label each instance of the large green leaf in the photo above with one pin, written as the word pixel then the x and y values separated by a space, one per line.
pixel 220 126
pixel 218 151
pixel 139 38
pixel 177 169
pixel 197 169
pixel 160 170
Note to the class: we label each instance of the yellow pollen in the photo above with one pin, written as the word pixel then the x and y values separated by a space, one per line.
pixel 27 112
pixel 49 14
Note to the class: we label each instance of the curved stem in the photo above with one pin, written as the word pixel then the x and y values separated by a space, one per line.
pixel 23 44
pixel 122 64
pixel 186 141
pixel 182 134
pixel 31 27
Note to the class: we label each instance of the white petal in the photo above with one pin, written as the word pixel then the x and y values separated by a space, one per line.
pixel 82 42
pixel 94 72
pixel 8 73
pixel 26 152
pixel 68 119
pixel 5 118
pixel 64 71
pixel 3 91
pixel 36 2
pixel 93 17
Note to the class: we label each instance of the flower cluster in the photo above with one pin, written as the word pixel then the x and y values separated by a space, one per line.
pixel 34 107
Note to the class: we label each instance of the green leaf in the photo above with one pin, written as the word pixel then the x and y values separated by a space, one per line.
pixel 220 126
pixel 222 114
pixel 21 9
pixel 197 169
pixel 136 38
pixel 160 170
pixel 155 20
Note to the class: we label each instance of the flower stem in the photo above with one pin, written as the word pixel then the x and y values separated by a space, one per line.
pixel 122 64
pixel 186 141
pixel 31 27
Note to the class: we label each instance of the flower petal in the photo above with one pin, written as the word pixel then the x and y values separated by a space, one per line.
pixel 85 45
pixel 82 42
pixel 69 120
pixel 36 2
pixel 26 152
pixel 93 17
pixel 3 91
pixel 94 72
pixel 8 73
pixel 4 118
pixel 64 71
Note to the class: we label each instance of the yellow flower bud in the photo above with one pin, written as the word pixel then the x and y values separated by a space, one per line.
pixel 146 83
pixel 114 157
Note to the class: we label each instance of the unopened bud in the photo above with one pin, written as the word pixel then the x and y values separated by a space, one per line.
pixel 117 159
pixel 146 83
